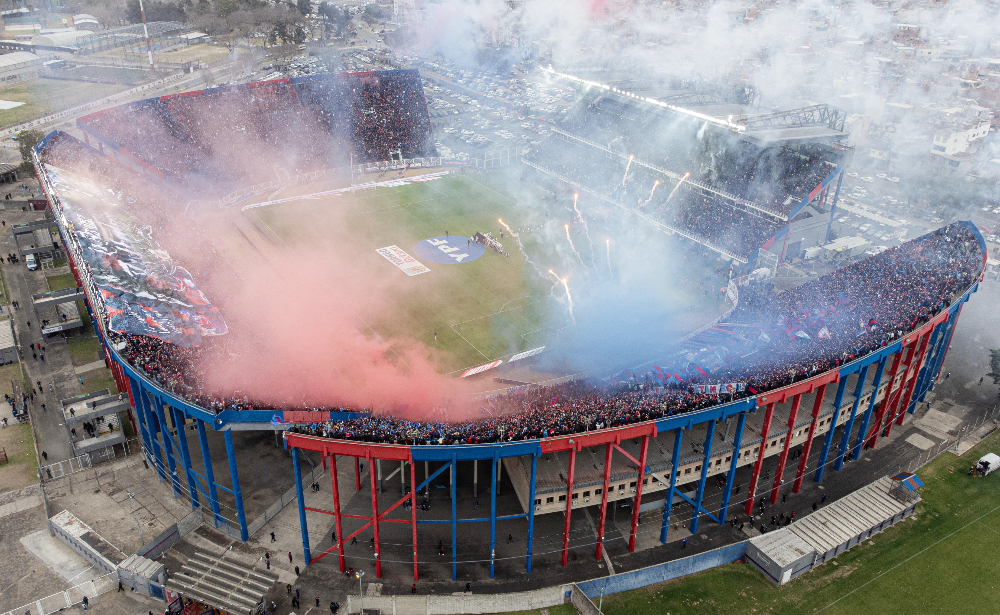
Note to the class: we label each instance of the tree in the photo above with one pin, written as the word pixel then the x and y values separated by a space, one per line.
pixel 304 6
pixel 26 142
pixel 372 12
pixel 155 11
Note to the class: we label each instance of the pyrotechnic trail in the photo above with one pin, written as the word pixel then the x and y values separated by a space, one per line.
pixel 608 242
pixel 586 227
pixel 686 175
pixel 655 185
pixel 520 247
pixel 624 177
pixel 569 297
pixel 570 239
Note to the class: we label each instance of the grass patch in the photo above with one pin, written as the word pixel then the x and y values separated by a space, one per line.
pixel 83 349
pixel 201 52
pixel 59 262
pixel 493 301
pixel 932 563
pixel 21 468
pixel 61 281
pixel 559 609
pixel 98 379
pixel 44 96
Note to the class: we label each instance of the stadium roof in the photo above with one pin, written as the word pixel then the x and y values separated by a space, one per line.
pixel 17 58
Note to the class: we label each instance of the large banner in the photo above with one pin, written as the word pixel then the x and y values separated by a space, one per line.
pixel 143 290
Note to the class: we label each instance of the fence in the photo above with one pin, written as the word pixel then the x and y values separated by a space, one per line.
pixel 155 547
pixel 462 603
pixel 73 465
pixel 66 599
pixel 48 119
pixel 286 498
pixel 665 571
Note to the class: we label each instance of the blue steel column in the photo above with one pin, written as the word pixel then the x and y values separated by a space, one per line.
pixel 918 389
pixel 206 458
pixel 186 457
pixel 168 448
pixel 828 440
pixel 863 430
pixel 234 475
pixel 704 475
pixel 154 429
pixel 737 441
pixel 302 505
pixel 454 516
pixel 143 430
pixel 493 513
pixel 668 502
pixel 833 208
pixel 859 387
pixel 531 507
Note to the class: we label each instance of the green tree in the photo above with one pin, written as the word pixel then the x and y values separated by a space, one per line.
pixel 372 12
pixel 26 142
pixel 304 6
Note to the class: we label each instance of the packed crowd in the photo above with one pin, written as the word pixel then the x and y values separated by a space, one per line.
pixel 221 134
pixel 798 333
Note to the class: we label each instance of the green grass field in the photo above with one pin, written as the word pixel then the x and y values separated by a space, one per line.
pixel 940 561
pixel 482 310
pixel 43 96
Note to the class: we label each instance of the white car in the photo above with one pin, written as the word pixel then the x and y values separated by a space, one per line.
pixel 852 174
pixel 881 175
pixel 867 179
pixel 894 180
pixel 30 261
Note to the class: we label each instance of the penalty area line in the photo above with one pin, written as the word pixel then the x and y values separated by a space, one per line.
pixel 468 342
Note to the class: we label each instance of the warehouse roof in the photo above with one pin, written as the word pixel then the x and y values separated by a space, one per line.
pixel 17 58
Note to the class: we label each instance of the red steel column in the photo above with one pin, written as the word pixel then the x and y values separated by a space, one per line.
pixel 817 406
pixel 638 494
pixel 783 458
pixel 378 560
pixel 905 403
pixel 569 506
pixel 413 516
pixel 336 511
pixel 357 474
pixel 764 432
pixel 887 398
pixel 604 498
pixel 890 416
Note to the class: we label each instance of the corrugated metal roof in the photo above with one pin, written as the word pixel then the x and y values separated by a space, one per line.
pixel 782 546
pixel 18 57
pixel 849 516
pixel 6 335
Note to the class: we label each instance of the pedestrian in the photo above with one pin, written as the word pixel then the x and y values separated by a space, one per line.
pixel 413 588
pixel 823 499
pixel 272 536
pixel 267 555
pixel 477 504
pixel 43 408
pixel 684 543
pixel 121 588
pixel 468 588
pixel 295 602
pixel 288 589
pixel 297 571
pixel 334 537
pixel 289 557
pixel 45 456
pixel 435 336
pixel 784 498
pixel 317 602
pixel 333 608
pixel 354 540
pixel 268 563
pixel 946 376
pixel 86 603
pixel 510 538
pixel 42 357
pixel 296 592
pixel 815 506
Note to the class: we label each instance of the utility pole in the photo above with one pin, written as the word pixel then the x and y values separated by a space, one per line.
pixel 145 30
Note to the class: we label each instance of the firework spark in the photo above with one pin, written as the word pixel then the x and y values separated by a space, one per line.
pixel 624 177
pixel 520 247
pixel 569 297
pixel 655 186
pixel 570 239
pixel 686 175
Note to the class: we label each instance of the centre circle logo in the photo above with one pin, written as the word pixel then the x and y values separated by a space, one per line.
pixel 449 250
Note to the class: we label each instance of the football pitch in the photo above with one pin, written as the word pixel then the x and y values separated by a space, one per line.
pixel 941 560
pixel 480 310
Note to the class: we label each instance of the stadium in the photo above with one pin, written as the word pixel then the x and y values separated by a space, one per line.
pixel 329 236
